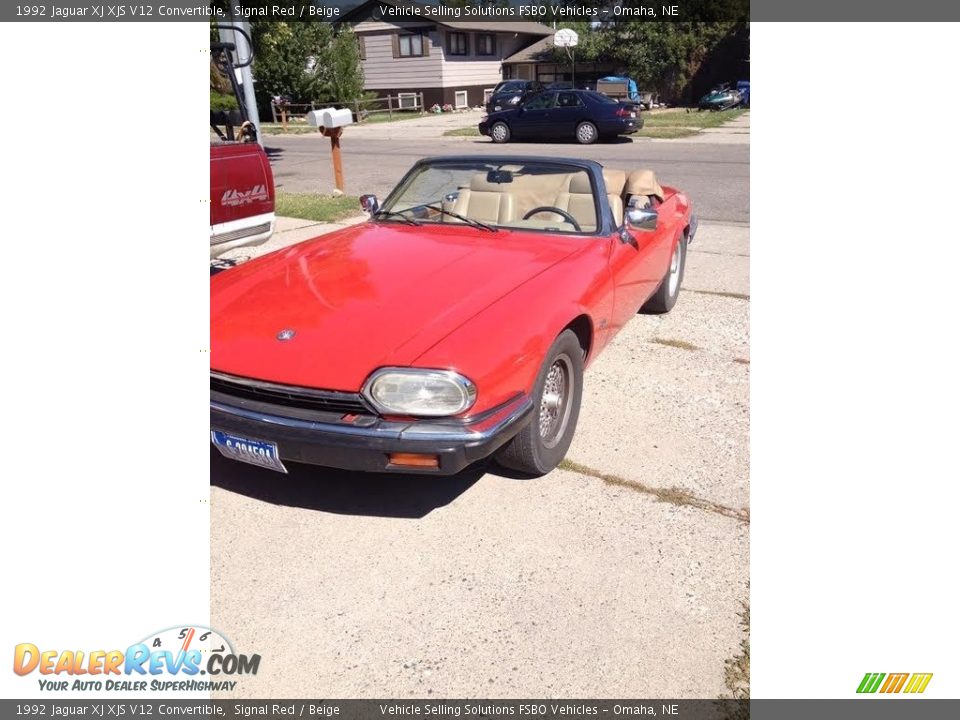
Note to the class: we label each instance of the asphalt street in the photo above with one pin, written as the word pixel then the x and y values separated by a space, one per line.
pixel 624 573
pixel 716 176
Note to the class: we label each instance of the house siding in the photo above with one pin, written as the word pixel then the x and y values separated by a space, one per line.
pixel 382 71
pixel 474 73
pixel 472 69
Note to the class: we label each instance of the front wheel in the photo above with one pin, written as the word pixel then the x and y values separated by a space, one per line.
pixel 542 444
pixel 500 133
pixel 587 133
pixel 667 293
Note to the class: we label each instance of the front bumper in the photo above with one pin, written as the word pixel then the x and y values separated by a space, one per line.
pixel 337 444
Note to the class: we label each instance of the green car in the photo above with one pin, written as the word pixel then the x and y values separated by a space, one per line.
pixel 722 97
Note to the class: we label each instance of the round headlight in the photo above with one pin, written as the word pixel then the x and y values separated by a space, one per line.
pixel 426 393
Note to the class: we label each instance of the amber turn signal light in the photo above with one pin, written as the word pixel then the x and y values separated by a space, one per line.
pixel 414 460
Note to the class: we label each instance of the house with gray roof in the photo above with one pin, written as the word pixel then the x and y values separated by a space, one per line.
pixel 409 50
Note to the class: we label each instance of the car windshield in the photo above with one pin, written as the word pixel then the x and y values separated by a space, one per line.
pixel 511 86
pixel 537 196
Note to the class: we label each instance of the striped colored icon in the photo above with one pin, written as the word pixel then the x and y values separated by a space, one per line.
pixel 894 682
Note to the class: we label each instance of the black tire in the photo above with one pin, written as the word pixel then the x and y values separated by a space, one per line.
pixel 663 300
pixel 500 132
pixel 540 446
pixel 587 133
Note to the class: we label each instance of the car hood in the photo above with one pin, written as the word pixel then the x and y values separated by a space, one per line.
pixel 365 297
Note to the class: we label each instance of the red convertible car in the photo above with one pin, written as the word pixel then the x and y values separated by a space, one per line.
pixel 452 326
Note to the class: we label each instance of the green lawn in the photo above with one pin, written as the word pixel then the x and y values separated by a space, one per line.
pixel 691 119
pixel 320 208
pixel 381 117
pixel 293 128
pixel 668 133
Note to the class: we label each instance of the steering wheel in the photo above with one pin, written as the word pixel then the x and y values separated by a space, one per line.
pixel 562 213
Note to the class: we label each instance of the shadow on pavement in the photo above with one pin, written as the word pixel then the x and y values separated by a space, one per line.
pixel 342 492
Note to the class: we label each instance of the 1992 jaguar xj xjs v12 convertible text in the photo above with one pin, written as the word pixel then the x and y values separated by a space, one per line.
pixel 453 325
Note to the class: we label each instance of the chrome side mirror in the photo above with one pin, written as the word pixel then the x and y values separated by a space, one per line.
pixel 642 218
pixel 369 204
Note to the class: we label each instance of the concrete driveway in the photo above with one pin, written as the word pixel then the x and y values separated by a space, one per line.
pixel 622 574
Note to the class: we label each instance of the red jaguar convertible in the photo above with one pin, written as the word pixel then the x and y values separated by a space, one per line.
pixel 452 326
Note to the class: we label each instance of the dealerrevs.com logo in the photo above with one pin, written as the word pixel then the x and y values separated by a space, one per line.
pixel 184 658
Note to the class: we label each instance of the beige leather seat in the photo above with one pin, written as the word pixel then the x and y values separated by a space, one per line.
pixel 577 200
pixel 615 180
pixel 642 188
pixel 485 201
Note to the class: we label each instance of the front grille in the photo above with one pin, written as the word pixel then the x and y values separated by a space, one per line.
pixel 289 396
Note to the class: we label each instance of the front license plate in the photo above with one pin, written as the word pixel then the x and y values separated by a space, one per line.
pixel 255 452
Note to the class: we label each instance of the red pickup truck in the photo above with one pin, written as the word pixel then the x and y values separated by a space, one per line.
pixel 241 196
pixel 241 181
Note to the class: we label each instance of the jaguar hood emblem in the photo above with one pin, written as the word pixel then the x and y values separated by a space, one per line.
pixel 286 334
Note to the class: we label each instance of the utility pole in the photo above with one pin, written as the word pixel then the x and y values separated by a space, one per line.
pixel 246 76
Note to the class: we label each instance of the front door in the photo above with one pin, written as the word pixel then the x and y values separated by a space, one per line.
pixel 534 116
pixel 637 270
pixel 567 113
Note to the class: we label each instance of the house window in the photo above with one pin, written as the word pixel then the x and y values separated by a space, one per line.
pixel 487 94
pixel 456 43
pixel 361 47
pixel 408 101
pixel 410 45
pixel 460 99
pixel 486 44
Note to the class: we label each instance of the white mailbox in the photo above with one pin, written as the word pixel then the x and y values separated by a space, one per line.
pixel 337 118
pixel 315 117
pixel 330 117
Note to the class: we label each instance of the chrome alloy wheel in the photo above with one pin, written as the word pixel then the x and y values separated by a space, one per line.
pixel 499 132
pixel 675 263
pixel 586 133
pixel 555 401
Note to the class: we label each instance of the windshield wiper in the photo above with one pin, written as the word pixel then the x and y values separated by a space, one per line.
pixel 469 220
pixel 396 214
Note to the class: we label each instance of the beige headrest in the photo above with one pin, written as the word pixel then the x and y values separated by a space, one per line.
pixel 614 179
pixel 580 183
pixel 644 182
pixel 479 183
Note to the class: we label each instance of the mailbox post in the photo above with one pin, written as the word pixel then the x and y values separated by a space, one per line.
pixel 330 122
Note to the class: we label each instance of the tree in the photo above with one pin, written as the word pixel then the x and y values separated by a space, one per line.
pixel 306 62
pixel 287 56
pixel 340 72
pixel 664 56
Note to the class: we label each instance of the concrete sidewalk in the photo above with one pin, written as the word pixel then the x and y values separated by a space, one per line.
pixel 426 126
pixel 732 132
